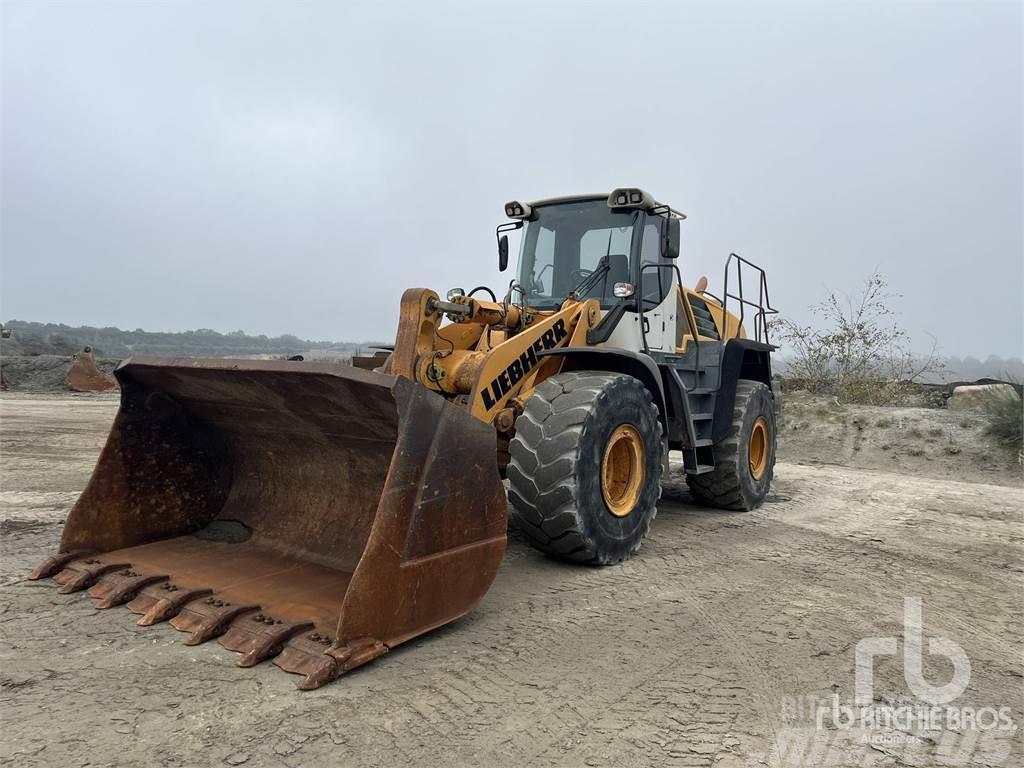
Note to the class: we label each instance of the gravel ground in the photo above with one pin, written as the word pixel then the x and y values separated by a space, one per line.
pixel 707 649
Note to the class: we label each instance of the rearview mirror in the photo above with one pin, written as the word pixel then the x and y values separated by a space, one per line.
pixel 503 253
pixel 670 245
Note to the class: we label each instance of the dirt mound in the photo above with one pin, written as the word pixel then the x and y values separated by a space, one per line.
pixel 922 442
pixel 84 376
pixel 41 373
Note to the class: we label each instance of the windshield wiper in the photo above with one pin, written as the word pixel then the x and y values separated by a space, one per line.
pixel 590 280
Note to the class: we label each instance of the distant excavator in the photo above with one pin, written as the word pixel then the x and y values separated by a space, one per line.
pixel 320 515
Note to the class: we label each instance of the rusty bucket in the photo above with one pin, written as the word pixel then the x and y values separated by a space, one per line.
pixel 308 512
pixel 85 376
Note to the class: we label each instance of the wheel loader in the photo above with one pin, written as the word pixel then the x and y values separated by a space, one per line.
pixel 319 514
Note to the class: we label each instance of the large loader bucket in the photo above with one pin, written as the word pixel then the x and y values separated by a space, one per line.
pixel 309 512
pixel 85 376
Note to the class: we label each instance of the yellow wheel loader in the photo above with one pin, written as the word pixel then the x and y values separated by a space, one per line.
pixel 318 514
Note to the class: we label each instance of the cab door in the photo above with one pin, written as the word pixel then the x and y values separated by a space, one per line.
pixel 658 285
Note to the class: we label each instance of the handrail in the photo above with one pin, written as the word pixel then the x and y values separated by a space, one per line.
pixel 763 303
pixel 706 292
pixel 678 287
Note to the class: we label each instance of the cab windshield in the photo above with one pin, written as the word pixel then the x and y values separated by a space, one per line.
pixel 564 242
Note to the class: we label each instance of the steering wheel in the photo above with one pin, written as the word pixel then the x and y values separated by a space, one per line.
pixel 579 275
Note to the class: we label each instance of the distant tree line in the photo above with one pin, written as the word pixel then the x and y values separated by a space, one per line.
pixel 28 338
pixel 993 367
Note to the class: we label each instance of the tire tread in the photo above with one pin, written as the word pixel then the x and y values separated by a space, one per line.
pixel 542 468
pixel 722 487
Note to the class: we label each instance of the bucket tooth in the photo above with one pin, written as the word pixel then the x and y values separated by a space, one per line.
pixel 55 564
pixel 84 574
pixel 359 652
pixel 208 618
pixel 121 586
pixel 320 661
pixel 307 655
pixel 259 637
pixel 161 602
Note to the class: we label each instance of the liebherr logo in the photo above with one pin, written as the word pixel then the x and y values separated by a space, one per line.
pixel 513 374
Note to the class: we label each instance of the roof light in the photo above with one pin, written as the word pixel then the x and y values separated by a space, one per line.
pixel 516 210
pixel 630 197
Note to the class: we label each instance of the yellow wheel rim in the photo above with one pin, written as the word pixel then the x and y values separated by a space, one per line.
pixel 622 470
pixel 758 449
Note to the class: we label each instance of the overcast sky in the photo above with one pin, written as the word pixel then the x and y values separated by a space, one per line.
pixel 290 168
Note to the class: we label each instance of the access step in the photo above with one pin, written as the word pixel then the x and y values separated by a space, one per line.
pixel 701 469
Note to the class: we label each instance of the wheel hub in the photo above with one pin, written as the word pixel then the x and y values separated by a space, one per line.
pixel 622 470
pixel 757 450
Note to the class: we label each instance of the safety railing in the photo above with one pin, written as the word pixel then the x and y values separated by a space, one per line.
pixel 763 305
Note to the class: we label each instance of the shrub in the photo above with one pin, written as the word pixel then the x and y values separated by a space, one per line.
pixel 1005 416
pixel 857 351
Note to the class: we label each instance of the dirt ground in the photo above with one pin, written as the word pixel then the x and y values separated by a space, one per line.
pixel 928 442
pixel 707 649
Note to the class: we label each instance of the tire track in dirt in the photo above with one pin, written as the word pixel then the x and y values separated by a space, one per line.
pixel 682 656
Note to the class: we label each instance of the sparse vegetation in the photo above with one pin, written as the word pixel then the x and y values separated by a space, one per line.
pixel 856 351
pixel 914 440
pixel 1005 415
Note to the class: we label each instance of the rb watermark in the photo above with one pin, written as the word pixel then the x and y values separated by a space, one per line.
pixel 927 725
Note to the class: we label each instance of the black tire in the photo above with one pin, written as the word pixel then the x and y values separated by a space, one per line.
pixel 732 484
pixel 555 471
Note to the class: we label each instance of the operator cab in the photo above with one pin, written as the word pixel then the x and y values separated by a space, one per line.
pixel 618 249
